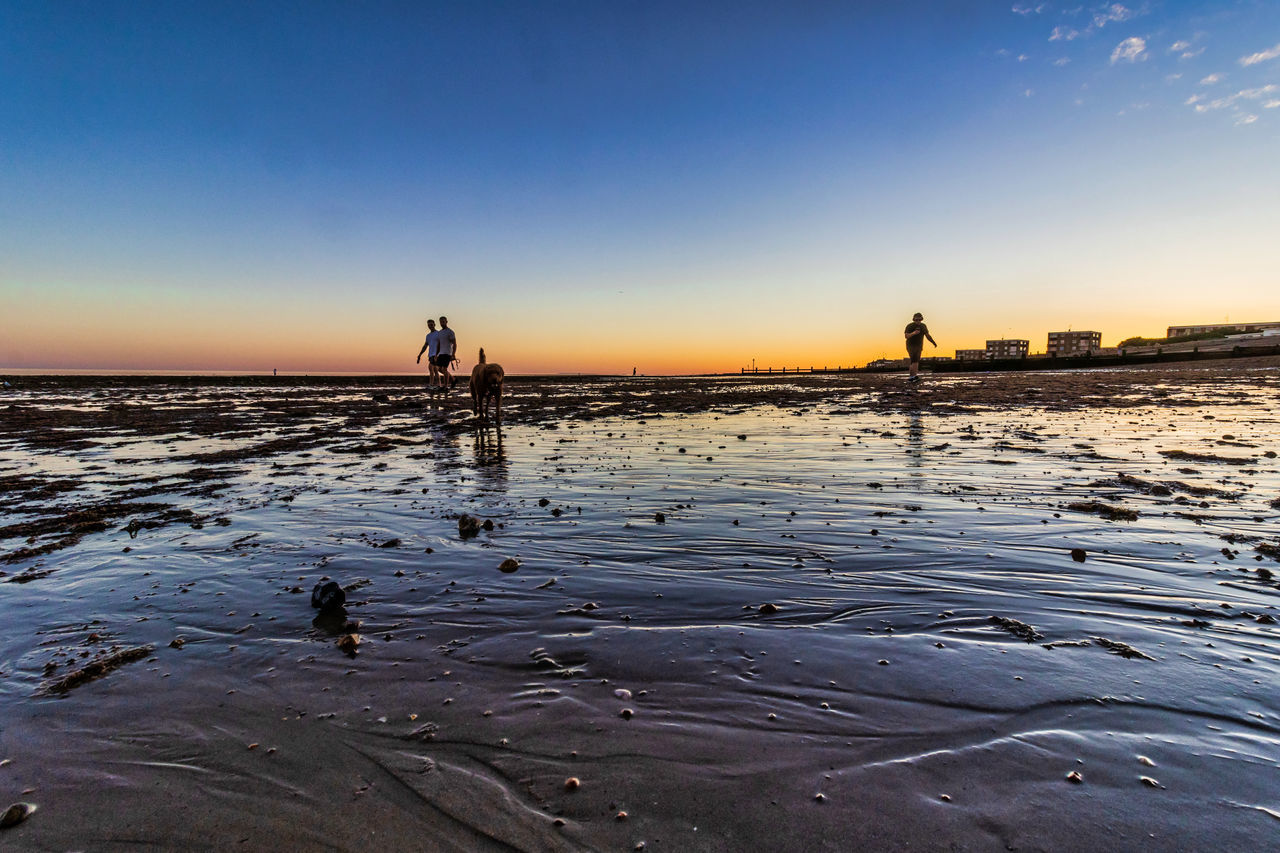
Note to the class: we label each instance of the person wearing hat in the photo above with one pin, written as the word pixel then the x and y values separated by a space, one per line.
pixel 916 333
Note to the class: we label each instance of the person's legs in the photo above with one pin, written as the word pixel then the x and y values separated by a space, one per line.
pixel 915 362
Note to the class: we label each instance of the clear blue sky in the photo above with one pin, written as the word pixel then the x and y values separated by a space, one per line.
pixel 591 186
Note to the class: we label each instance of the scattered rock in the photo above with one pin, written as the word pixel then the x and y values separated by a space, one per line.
pixel 468 526
pixel 768 608
pixel 509 565
pixel 1111 512
pixel 1021 630
pixel 16 814
pixel 97 669
pixel 177 642
pixel 1078 554
pixel 573 783
pixel 348 643
pixel 1075 777
pixel 328 597
pixel 1149 782
pixel 1124 650
pixel 390 543
pixel 660 517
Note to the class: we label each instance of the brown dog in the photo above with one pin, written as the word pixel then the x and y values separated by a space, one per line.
pixel 486 385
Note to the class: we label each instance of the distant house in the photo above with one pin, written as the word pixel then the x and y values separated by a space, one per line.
pixel 1008 348
pixel 971 355
pixel 1179 331
pixel 1073 343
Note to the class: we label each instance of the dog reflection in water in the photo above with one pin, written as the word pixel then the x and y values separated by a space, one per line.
pixel 486 385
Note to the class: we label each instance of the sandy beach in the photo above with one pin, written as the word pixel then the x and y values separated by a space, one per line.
pixel 1003 611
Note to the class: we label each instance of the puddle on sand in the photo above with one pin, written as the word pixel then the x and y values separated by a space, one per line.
pixel 878 606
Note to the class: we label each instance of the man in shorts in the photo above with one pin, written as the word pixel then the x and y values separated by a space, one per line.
pixel 447 346
pixel 916 333
pixel 431 346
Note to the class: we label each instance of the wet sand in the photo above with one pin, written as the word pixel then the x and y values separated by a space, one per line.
pixel 803 613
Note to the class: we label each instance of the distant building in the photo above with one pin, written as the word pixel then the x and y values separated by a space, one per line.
pixel 1179 331
pixel 1008 348
pixel 971 355
pixel 1073 343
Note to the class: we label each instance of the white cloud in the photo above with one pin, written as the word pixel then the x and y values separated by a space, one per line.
pixel 1179 45
pixel 1192 54
pixel 1263 56
pixel 1061 61
pixel 1022 57
pixel 1061 33
pixel 1024 10
pixel 1271 105
pixel 1245 118
pixel 1243 95
pixel 1132 49
pixel 1169 78
pixel 1193 100
pixel 1113 13
pixel 1215 77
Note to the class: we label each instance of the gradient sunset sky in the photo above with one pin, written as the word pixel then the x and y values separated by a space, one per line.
pixel 588 187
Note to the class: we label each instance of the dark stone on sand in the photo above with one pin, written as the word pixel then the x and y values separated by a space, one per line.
pixel 16 814
pixel 177 642
pixel 1268 550
pixel 381 398
pixel 1161 491
pixel 742 438
pixel 557 512
pixel 1078 554
pixel 348 643
pixel 390 543
pixel 1021 630
pixel 1074 777
pixel 487 525
pixel 660 517
pixel 1110 512
pixel 468 526
pixel 509 565
pixel 328 597
pixel 543 501
pixel 768 608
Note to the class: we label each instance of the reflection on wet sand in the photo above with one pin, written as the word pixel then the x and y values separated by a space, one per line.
pixel 1055 620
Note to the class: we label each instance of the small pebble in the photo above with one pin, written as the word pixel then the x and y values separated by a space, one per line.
pixel 573 783
pixel 1075 777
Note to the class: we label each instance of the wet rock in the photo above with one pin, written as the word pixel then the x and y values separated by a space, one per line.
pixel 882 662
pixel 573 783
pixel 16 814
pixel 1266 549
pixel 1111 512
pixel 487 525
pixel 1124 650
pixel 767 608
pixel 177 642
pixel 660 517
pixel 1021 630
pixel 509 565
pixel 468 526
pixel 390 543
pixel 626 713
pixel 1160 491
pixel 1078 554
pixel 543 502
pixel 328 597
pixel 348 643
pixel 1075 777
pixel 1149 782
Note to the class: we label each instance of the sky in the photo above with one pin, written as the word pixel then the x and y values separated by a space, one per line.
pixel 592 186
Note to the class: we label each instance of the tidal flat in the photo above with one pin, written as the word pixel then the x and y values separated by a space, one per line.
pixel 1022 611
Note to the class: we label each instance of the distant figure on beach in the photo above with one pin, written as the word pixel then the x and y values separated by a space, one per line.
pixel 447 346
pixel 273 371
pixel 916 333
pixel 431 346
pixel 633 371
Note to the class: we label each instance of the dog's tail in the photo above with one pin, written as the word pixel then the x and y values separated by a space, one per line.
pixel 482 355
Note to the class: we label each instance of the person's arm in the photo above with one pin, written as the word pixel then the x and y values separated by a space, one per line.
pixel 421 351
pixel 912 334
pixel 455 348
pixel 930 337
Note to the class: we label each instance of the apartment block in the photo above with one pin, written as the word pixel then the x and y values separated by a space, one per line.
pixel 1179 331
pixel 1073 343
pixel 1008 348
pixel 971 355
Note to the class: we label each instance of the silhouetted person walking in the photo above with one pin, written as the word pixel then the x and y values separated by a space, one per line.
pixel 915 334
pixel 447 346
pixel 431 346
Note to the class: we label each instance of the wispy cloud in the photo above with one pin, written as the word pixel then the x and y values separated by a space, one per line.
pixel 1169 78
pixel 1192 54
pixel 1179 46
pixel 1245 118
pixel 1132 49
pixel 1024 10
pixel 1257 94
pixel 1063 33
pixel 1271 105
pixel 1061 61
pixel 1215 77
pixel 1115 13
pixel 1262 56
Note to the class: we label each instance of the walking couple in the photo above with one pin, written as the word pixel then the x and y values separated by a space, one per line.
pixel 441 347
